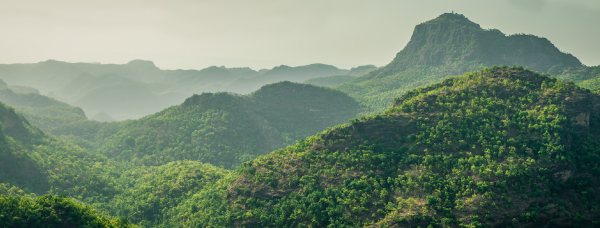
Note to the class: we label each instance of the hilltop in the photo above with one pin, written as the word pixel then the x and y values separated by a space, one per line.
pixel 498 147
pixel 227 129
pixel 451 45
pixel 43 111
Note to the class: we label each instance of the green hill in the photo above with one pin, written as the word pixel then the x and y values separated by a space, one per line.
pixel 41 163
pixel 502 147
pixel 226 129
pixel 36 163
pixel 44 112
pixel 450 45
pixel 50 211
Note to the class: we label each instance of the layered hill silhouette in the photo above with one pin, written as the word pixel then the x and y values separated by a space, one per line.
pixel 451 45
pixel 139 88
pixel 498 147
pixel 43 111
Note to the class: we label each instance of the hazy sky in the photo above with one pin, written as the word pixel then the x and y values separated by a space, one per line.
pixel 193 34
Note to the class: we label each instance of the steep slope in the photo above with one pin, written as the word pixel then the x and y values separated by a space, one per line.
pixel 451 45
pixel 40 163
pixel 496 148
pixel 227 129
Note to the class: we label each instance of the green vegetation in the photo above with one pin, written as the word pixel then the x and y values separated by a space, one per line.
pixel 451 45
pixel 220 129
pixel 499 147
pixel 586 77
pixel 153 192
pixel 44 112
pixel 300 110
pixel 51 211
pixel 226 129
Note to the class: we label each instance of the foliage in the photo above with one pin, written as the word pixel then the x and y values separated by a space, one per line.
pixel 586 77
pixel 497 147
pixel 226 129
pixel 152 192
pixel 51 211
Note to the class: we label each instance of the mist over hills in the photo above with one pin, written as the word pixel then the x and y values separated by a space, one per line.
pixel 498 147
pixel 139 88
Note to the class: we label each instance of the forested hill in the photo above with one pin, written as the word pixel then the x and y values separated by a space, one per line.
pixel 501 147
pixel 451 45
pixel 227 129
pixel 42 111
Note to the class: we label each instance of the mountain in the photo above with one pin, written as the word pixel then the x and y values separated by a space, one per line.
pixel 451 45
pixel 140 88
pixel 44 112
pixel 226 129
pixel 494 148
pixel 40 163
pixel 361 70
pixel 283 73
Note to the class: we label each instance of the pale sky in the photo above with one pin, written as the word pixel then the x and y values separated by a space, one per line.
pixel 194 34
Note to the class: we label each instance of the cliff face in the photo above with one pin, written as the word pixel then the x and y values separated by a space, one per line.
pixel 452 39
pixel 451 45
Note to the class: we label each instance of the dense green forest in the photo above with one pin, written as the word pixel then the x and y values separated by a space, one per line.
pixel 451 45
pixel 499 147
pixel 226 129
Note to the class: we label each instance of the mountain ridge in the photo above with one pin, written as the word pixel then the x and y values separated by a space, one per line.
pixel 451 45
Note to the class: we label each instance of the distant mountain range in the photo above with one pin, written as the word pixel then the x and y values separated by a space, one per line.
pixel 139 88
